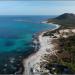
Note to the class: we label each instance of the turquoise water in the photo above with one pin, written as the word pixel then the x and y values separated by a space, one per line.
pixel 16 37
pixel 14 34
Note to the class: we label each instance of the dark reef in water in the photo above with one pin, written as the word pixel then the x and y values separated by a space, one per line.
pixel 9 43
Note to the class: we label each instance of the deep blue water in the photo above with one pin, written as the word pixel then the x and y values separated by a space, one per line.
pixel 16 36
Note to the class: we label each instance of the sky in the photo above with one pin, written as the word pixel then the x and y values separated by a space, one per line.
pixel 36 7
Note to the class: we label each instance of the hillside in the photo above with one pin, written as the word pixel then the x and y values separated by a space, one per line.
pixel 66 19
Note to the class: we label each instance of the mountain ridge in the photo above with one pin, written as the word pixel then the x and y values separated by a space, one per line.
pixel 66 19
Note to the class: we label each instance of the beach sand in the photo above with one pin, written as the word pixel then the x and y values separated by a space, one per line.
pixel 33 59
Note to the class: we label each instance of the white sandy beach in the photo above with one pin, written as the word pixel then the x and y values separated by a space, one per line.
pixel 32 60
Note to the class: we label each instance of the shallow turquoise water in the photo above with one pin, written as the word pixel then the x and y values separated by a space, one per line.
pixel 15 34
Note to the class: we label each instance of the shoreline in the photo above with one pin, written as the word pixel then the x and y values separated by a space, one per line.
pixel 32 58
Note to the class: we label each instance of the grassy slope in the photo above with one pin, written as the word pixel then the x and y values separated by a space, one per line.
pixel 69 46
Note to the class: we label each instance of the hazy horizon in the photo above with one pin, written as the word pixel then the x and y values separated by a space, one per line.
pixel 36 7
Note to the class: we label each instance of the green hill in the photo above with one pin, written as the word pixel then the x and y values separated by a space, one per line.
pixel 66 19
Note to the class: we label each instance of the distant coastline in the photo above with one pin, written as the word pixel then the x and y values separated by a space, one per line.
pixel 57 25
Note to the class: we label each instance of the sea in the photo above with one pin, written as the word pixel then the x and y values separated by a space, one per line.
pixel 16 35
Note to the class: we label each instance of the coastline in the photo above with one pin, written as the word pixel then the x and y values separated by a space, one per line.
pixel 35 58
pixel 57 25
